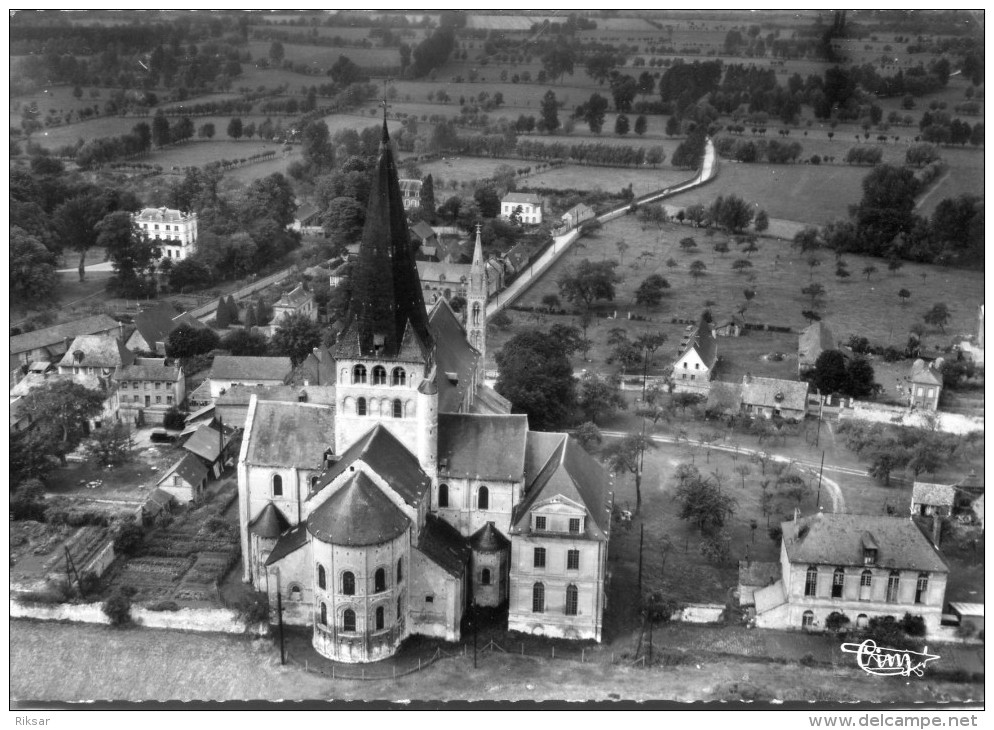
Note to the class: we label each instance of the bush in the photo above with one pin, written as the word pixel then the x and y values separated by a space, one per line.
pixel 174 419
pixel 129 539
pixel 254 608
pixel 118 609
pixel 808 660
pixel 164 606
pixel 89 583
pixel 28 501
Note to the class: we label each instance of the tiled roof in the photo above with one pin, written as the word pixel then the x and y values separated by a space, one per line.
pixel 453 354
pixel 294 298
pixel 837 539
pixel 269 523
pixel 444 546
pixel 488 539
pixel 940 495
pixel 357 514
pixel 161 215
pixel 482 447
pixel 814 340
pixel 239 394
pixel 156 323
pixel 99 351
pixel 57 334
pixel 488 401
pixel 967 609
pixel 702 340
pixel 288 543
pixel 922 372
pixel 189 467
pixel 231 367
pixel 386 456
pixel 151 369
pixel 206 442
pixel 522 198
pixel 775 393
pixel 290 433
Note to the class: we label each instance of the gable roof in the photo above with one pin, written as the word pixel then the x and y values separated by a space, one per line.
pixel 573 474
pixel 159 215
pixel 814 340
pixel 923 372
pixel 269 523
pixel 206 442
pixel 190 468
pixel 294 298
pixel 155 323
pixel 150 369
pixel 522 198
pixel 444 546
pixel 488 539
pixel 423 231
pixel 99 351
pixel 702 340
pixel 770 597
pixel 436 271
pixel 941 495
pixel 290 434
pixel 289 542
pixel 775 393
pixel 482 447
pixel 453 354
pixel 386 456
pixel 231 367
pixel 488 401
pixel 357 514
pixel 837 539
pixel 538 450
pixel 57 334
pixel 578 210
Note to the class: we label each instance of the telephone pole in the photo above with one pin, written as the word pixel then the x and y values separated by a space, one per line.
pixel 820 470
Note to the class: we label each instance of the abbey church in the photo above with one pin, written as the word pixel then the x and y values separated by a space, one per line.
pixel 418 493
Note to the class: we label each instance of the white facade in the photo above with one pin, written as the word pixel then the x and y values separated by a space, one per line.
pixel 529 207
pixel 173 230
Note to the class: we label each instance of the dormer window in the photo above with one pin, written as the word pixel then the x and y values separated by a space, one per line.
pixel 869 556
pixel 574 524
pixel 539 523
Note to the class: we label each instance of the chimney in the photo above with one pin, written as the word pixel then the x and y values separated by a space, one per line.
pixel 936 528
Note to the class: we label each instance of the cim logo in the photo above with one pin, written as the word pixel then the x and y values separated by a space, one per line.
pixel 885 662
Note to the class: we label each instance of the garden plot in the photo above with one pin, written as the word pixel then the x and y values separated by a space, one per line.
pixel 38 551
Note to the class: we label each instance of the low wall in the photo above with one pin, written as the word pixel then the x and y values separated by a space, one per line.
pixel 701 613
pixel 946 422
pixel 211 620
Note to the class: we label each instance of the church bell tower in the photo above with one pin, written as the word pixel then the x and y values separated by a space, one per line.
pixel 476 303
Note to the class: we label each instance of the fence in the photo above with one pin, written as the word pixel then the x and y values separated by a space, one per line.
pixel 369 673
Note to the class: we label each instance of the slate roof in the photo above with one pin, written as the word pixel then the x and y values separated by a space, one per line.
pixel 443 273
pixel 444 546
pixel 453 354
pixel 702 340
pixel 200 414
pixel 488 539
pixel 538 450
pixel 155 323
pixel 939 495
pixel 231 367
pixel 573 474
pixel 357 514
pixel 160 215
pixel 837 539
pixel 775 393
pixel 99 351
pixel 269 523
pixel 423 231
pixel 522 198
pixel 151 369
pixel 206 442
pixel 814 340
pixel 240 394
pixel 290 433
pixel 189 467
pixel 157 501
pixel 386 456
pixel 488 401
pixel 306 213
pixel 758 572
pixel 482 447
pixel 290 541
pixel 922 372
pixel 294 298
pixel 57 334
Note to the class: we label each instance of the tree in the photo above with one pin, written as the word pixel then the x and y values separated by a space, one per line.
pixel 628 454
pixel 276 52
pixel 295 337
pixel 67 407
pixel 132 254
pixel 488 202
pixel 702 503
pixel 673 126
pixel 905 295
pixel 859 378
pixel 640 125
pixel 235 128
pixel 588 436
pixel 428 198
pixel 697 268
pixel 206 130
pixel 688 244
pixel 160 129
pixel 558 61
pixel 186 341
pixel 110 445
pixel 222 317
pixel 869 271
pixel 812 262
pixel 76 222
pixel 937 316
pixel 814 291
pixel 550 112
pixel 589 281
pixel 316 147
pixel 743 471
pixel 32 269
pixel 837 622
pixel 807 239
pixel 343 220
pixel 886 208
pixel 27 501
pixel 731 212
pixel 829 374
pixel 761 221
pixel 740 265
pixel 270 198
pixel 842 271
pixel 598 396
pixel 118 609
pixel 536 376
pixel 594 112
pixel 621 125
pixel 650 291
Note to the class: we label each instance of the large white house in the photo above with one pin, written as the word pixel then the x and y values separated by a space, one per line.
pixel 527 206
pixel 385 514
pixel 174 230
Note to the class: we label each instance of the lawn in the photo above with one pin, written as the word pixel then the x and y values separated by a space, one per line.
pixel 56 100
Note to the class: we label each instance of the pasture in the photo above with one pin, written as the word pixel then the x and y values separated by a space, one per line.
pixel 323 57
pixel 202 152
pixel 608 179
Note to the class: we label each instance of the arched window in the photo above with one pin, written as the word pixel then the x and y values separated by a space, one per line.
pixel 277 485
pixel 811 581
pixel 572 600
pixel 476 313
pixel 360 407
pixel 838 581
pixel 399 376
pixel 807 620
pixel 443 495
pixel 400 569
pixel 348 620
pixel 379 618
pixel 893 586
pixel 485 577
pixel 359 374
pixel 379 375
pixel 400 607
pixel 862 621
pixel 379 581
pixel 296 594
pixel 348 583
pixel 865 585
pixel 538 598
pixel 322 578
pixel 324 614
pixel 921 588
pixel 398 408
pixel 483 498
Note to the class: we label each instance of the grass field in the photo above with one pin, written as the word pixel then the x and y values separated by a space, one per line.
pixel 608 179
pixel 199 153
pixel 323 57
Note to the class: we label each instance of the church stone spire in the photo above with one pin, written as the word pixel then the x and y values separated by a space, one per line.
pixel 476 302
pixel 386 310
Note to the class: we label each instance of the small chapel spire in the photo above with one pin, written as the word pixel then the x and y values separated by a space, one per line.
pixel 478 248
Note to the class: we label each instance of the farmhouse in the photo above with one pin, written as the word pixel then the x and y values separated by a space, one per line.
pixel 527 207
pixel 770 397
pixel 926 385
pixel 154 324
pixel 860 566
pixel 694 369
pixel 307 221
pixel 148 388
pixel 173 230
pixel 384 515
pixel 229 370
pixel 100 355
pixel 51 343
pixel 297 301
pixel 814 340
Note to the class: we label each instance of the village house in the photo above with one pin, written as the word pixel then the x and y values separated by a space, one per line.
pixel 410 193
pixel 694 369
pixel 932 499
pixel 297 301
pixel 173 230
pixel 148 388
pixel 382 516
pixel 154 324
pixel 427 241
pixel 307 221
pixel 99 355
pixel 186 480
pixel 860 566
pixel 214 444
pixel 318 368
pixel 50 343
pixel 926 385
pixel 814 340
pixel 526 206
pixel 229 370
pixel 577 215
pixel 233 405
pixel 764 397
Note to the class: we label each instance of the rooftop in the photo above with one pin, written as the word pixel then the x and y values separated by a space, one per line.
pixel 942 495
pixel 453 354
pixel 775 393
pixel 160 215
pixel 357 514
pixel 290 433
pixel 231 367
pixel 468 446
pixel 190 468
pixel 443 544
pixel 814 340
pixel 522 198
pixel 57 334
pixel 270 523
pixel 150 369
pixel 922 372
pixel 97 351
